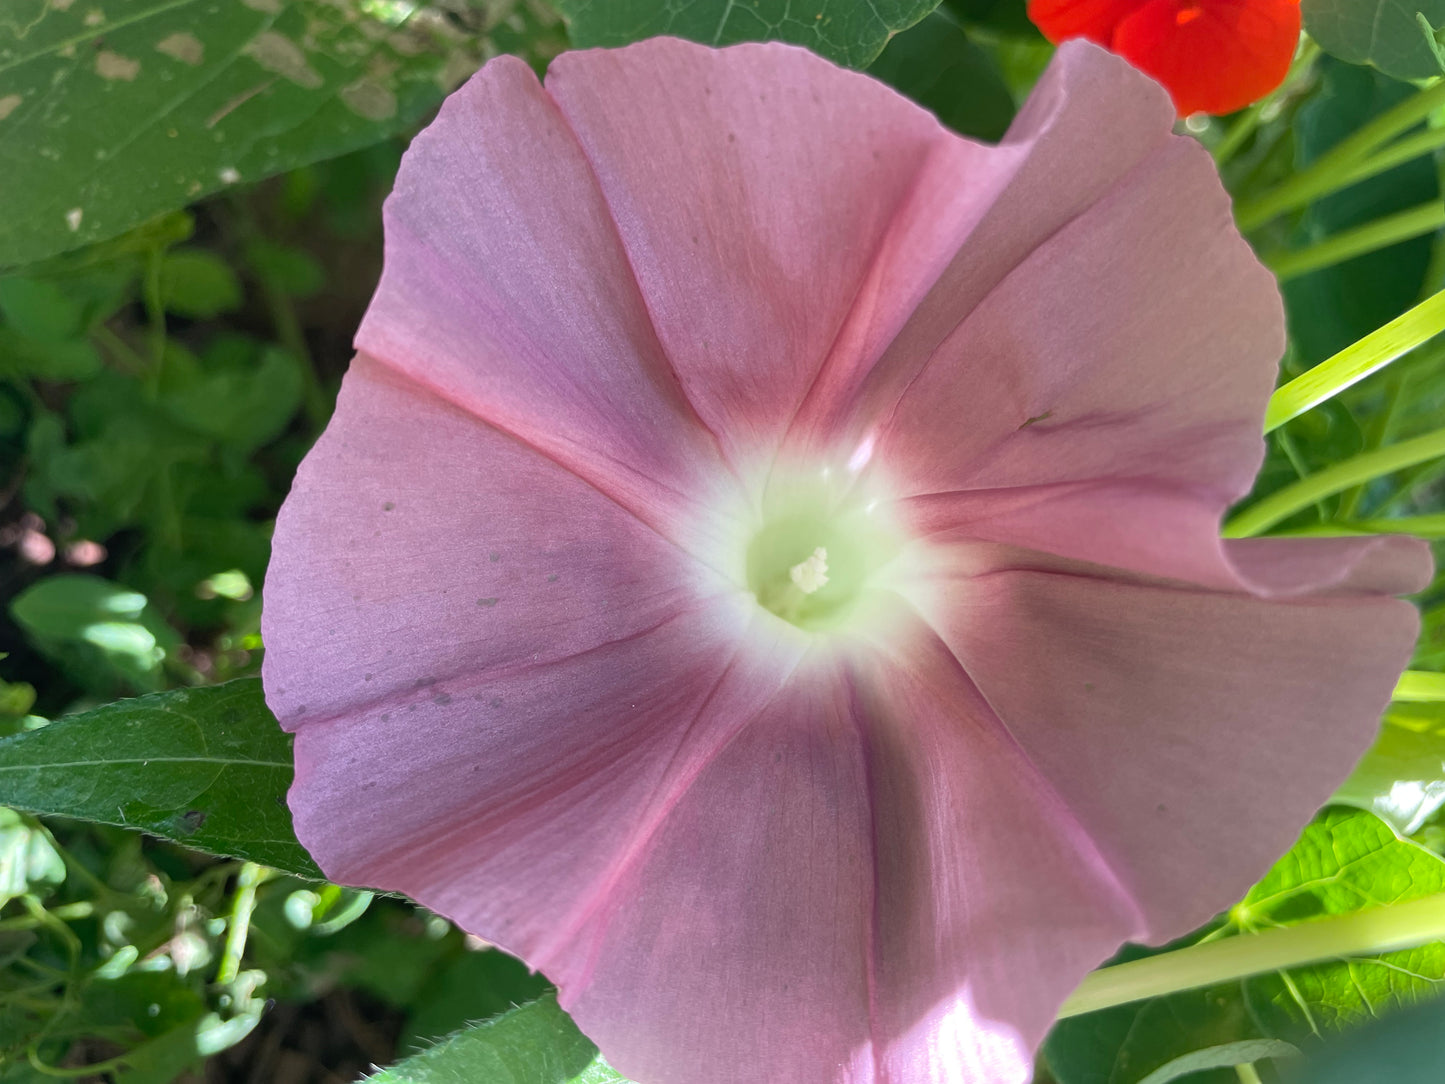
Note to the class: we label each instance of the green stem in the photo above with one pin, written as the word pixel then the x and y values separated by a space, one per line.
pixel 1397 154
pixel 1365 933
pixel 288 331
pixel 239 924
pixel 1346 245
pixel 1375 432
pixel 1240 131
pixel 155 319
pixel 1247 1073
pixel 65 912
pixel 1357 361
pixel 1430 526
pixel 1420 687
pixel 120 351
pixel 92 1069
pixel 1331 170
pixel 1294 498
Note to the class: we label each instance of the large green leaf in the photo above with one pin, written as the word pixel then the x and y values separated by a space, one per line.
pixel 205 767
pixel 535 1044
pixel 1384 33
pixel 1347 861
pixel 1406 1048
pixel 848 31
pixel 1402 778
pixel 936 65
pixel 112 113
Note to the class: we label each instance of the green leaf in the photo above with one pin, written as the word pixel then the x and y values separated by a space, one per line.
pixel 87 621
pixel 1220 1057
pixel 1383 33
pixel 69 360
pixel 936 65
pixel 205 767
pixel 474 986
pixel 110 114
pixel 39 309
pixel 290 270
pixel 849 32
pixel 27 859
pixel 1407 1048
pixel 1006 18
pixel 1433 40
pixel 1402 778
pixel 198 284
pixel 1346 861
pixel 535 1044
pixel 234 396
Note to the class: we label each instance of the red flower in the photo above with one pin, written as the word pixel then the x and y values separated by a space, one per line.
pixel 1214 56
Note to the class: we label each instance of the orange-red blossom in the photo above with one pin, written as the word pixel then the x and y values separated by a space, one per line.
pixel 1214 56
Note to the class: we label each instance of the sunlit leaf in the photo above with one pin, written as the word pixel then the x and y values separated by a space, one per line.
pixel 535 1044
pixel 1402 778
pixel 1346 861
pixel 112 113
pixel 90 622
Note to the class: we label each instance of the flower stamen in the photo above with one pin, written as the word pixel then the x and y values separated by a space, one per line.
pixel 811 574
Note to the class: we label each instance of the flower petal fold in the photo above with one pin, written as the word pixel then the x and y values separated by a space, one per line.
pixel 755 189
pixel 1159 713
pixel 1093 405
pixel 507 290
pixel 1089 122
pixel 421 548
pixel 848 923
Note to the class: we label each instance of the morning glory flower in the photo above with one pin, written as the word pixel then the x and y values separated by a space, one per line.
pixel 764 568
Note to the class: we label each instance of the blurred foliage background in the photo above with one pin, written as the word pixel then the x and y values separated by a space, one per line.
pixel 191 235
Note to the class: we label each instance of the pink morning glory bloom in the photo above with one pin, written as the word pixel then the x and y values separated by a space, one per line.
pixel 764 568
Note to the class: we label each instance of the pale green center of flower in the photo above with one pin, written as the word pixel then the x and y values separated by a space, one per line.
pixel 817 555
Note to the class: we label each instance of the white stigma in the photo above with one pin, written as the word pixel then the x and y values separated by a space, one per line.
pixel 811 574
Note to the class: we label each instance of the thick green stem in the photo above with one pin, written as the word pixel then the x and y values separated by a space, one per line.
pixel 1357 361
pixel 1294 498
pixel 1371 237
pixel 1332 169
pixel 1365 933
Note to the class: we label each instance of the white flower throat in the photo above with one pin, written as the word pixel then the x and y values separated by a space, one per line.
pixel 818 549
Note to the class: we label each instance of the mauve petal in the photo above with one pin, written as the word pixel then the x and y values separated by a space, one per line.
pixel 1160 713
pixel 993 903
pixel 1095 405
pixel 1367 565
pixel 735 945
pixel 869 884
pixel 1089 122
pixel 514 804
pixel 420 546
pixel 506 289
pixel 764 195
